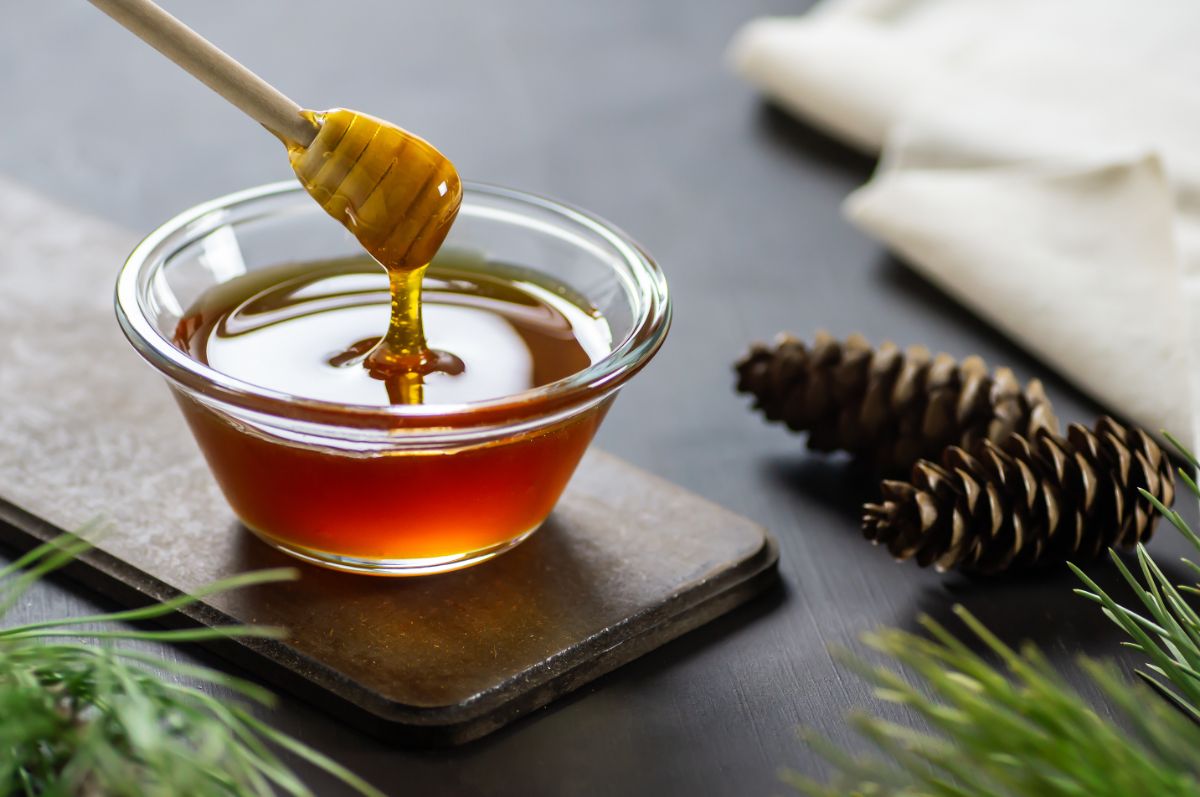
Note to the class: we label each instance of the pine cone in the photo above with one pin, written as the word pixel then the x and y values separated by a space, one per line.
pixel 1025 502
pixel 888 407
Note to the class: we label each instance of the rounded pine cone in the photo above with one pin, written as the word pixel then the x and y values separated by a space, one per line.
pixel 886 406
pixel 1025 502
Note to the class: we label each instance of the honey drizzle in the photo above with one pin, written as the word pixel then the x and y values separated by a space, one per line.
pixel 398 196
pixel 403 358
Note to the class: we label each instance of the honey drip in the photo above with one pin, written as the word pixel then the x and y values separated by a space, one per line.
pixel 398 196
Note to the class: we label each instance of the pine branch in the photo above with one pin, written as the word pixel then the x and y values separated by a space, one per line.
pixel 99 719
pixel 1019 732
pixel 1168 632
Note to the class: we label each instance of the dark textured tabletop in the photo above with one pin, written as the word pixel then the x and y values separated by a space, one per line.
pixel 627 108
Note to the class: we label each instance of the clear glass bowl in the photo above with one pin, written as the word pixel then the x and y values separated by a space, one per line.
pixel 390 490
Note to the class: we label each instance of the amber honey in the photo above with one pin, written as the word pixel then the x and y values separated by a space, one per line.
pixel 308 329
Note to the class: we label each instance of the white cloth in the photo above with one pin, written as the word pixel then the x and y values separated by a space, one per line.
pixel 1040 161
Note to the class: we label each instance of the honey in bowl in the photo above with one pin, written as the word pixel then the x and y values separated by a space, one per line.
pixel 261 314
pixel 306 329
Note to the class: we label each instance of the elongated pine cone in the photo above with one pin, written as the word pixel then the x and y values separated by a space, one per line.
pixel 886 406
pixel 1025 502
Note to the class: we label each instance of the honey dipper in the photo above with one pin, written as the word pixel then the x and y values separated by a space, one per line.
pixel 394 191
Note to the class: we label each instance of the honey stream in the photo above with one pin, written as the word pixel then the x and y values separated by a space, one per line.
pixel 398 196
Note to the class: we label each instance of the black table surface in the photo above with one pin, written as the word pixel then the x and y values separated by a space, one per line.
pixel 628 108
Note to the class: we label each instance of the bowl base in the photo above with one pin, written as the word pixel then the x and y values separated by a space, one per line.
pixel 393 567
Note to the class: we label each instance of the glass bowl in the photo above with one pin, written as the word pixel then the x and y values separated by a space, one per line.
pixel 404 489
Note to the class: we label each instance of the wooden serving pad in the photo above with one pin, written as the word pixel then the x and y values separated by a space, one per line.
pixel 626 562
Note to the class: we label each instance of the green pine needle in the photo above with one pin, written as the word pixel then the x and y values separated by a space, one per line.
pixel 1021 731
pixel 992 733
pixel 84 719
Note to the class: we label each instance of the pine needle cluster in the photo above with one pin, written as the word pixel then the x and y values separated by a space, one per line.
pixel 1017 728
pixel 85 715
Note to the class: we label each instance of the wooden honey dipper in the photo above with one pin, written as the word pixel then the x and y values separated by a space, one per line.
pixel 393 190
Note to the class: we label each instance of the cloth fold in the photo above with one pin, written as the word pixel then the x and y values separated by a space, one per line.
pixel 1036 163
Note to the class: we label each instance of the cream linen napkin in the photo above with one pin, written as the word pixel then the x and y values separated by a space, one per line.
pixel 1040 161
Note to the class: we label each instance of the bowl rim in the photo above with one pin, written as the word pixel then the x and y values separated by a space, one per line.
pixel 583 388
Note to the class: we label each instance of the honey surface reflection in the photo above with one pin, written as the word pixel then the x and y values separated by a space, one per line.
pixel 305 329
